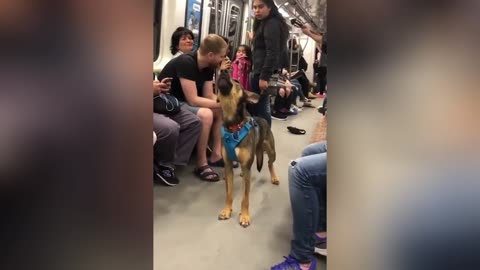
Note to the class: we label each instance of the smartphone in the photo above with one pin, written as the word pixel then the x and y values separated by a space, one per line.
pixel 296 22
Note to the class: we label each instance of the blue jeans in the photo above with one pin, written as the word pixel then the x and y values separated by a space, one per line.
pixel 307 179
pixel 262 108
pixel 298 91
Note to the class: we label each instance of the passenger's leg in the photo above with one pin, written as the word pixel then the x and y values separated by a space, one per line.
pixel 290 99
pixel 167 132
pixel 305 83
pixel 262 108
pixel 206 117
pixel 251 108
pixel 305 177
pixel 190 127
pixel 279 102
pixel 315 148
pixel 322 79
pixel 164 150
pixel 264 111
pixel 216 135
pixel 298 87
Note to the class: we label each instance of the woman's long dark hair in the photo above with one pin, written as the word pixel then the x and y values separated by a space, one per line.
pixel 274 14
pixel 176 36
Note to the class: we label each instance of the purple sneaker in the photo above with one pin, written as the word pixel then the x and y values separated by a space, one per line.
pixel 292 264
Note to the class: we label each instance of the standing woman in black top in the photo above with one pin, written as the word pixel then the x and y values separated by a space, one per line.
pixel 269 52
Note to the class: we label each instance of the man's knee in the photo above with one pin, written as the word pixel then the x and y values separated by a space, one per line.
pixel 206 116
pixel 166 129
pixel 192 123
pixel 315 148
pixel 295 176
pixel 288 92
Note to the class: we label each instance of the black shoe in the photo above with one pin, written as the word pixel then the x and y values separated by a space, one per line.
pixel 165 175
pixel 322 110
pixel 279 116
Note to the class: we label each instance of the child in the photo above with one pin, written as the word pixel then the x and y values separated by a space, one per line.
pixel 242 66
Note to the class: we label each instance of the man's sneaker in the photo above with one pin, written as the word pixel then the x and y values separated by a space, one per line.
pixel 279 116
pixel 288 112
pixel 320 245
pixel 296 108
pixel 292 264
pixel 166 175
pixel 307 104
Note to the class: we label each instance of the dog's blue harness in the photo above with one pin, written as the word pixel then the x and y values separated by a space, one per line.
pixel 232 139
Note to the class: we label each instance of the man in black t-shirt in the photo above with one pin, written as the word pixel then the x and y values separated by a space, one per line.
pixel 192 84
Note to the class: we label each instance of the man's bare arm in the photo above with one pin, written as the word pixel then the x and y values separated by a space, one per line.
pixel 307 30
pixel 190 91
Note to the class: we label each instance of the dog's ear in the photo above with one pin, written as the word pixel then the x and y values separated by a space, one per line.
pixel 252 97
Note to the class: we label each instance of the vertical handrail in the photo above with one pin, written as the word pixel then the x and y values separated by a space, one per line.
pixel 216 17
pixel 249 18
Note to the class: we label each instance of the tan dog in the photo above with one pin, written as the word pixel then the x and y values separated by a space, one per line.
pixel 259 139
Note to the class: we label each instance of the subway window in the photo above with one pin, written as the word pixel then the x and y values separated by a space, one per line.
pixel 157 14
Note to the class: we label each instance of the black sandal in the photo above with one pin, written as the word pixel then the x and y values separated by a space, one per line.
pixel 221 163
pixel 205 173
pixel 296 131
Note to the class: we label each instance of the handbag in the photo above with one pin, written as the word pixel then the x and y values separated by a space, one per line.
pixel 274 83
pixel 166 104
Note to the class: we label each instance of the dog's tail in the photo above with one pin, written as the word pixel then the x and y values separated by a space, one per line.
pixel 259 154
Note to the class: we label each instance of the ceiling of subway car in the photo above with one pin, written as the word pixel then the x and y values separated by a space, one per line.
pixel 316 10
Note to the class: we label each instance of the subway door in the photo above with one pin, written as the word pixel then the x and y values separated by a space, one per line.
pixel 216 15
pixel 233 24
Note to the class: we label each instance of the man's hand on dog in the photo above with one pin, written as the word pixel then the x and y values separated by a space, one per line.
pixel 263 85
pixel 162 86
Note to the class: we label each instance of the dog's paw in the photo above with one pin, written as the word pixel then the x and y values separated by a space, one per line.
pixel 225 214
pixel 244 220
pixel 275 181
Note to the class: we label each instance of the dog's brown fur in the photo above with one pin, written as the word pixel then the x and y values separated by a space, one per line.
pixel 233 100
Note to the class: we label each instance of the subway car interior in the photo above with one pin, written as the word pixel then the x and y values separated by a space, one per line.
pixel 188 230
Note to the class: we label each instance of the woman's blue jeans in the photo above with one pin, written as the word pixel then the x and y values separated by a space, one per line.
pixel 262 108
pixel 307 177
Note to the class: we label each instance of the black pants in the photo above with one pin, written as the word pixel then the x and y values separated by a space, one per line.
pixel 283 102
pixel 321 79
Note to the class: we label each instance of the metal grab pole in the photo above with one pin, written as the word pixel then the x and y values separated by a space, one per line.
pixel 249 18
pixel 249 22
pixel 216 17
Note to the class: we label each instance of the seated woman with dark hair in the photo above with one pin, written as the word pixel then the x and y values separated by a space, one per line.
pixel 182 41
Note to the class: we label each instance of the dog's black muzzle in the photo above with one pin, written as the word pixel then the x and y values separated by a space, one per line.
pixel 224 83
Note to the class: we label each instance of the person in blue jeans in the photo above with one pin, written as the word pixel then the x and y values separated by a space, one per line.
pixel 307 177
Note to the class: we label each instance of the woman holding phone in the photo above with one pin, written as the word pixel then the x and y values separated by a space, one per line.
pixel 176 137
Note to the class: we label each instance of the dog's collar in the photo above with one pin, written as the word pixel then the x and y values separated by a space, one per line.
pixel 237 127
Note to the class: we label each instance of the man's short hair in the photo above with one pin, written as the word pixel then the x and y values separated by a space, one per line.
pixel 212 43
